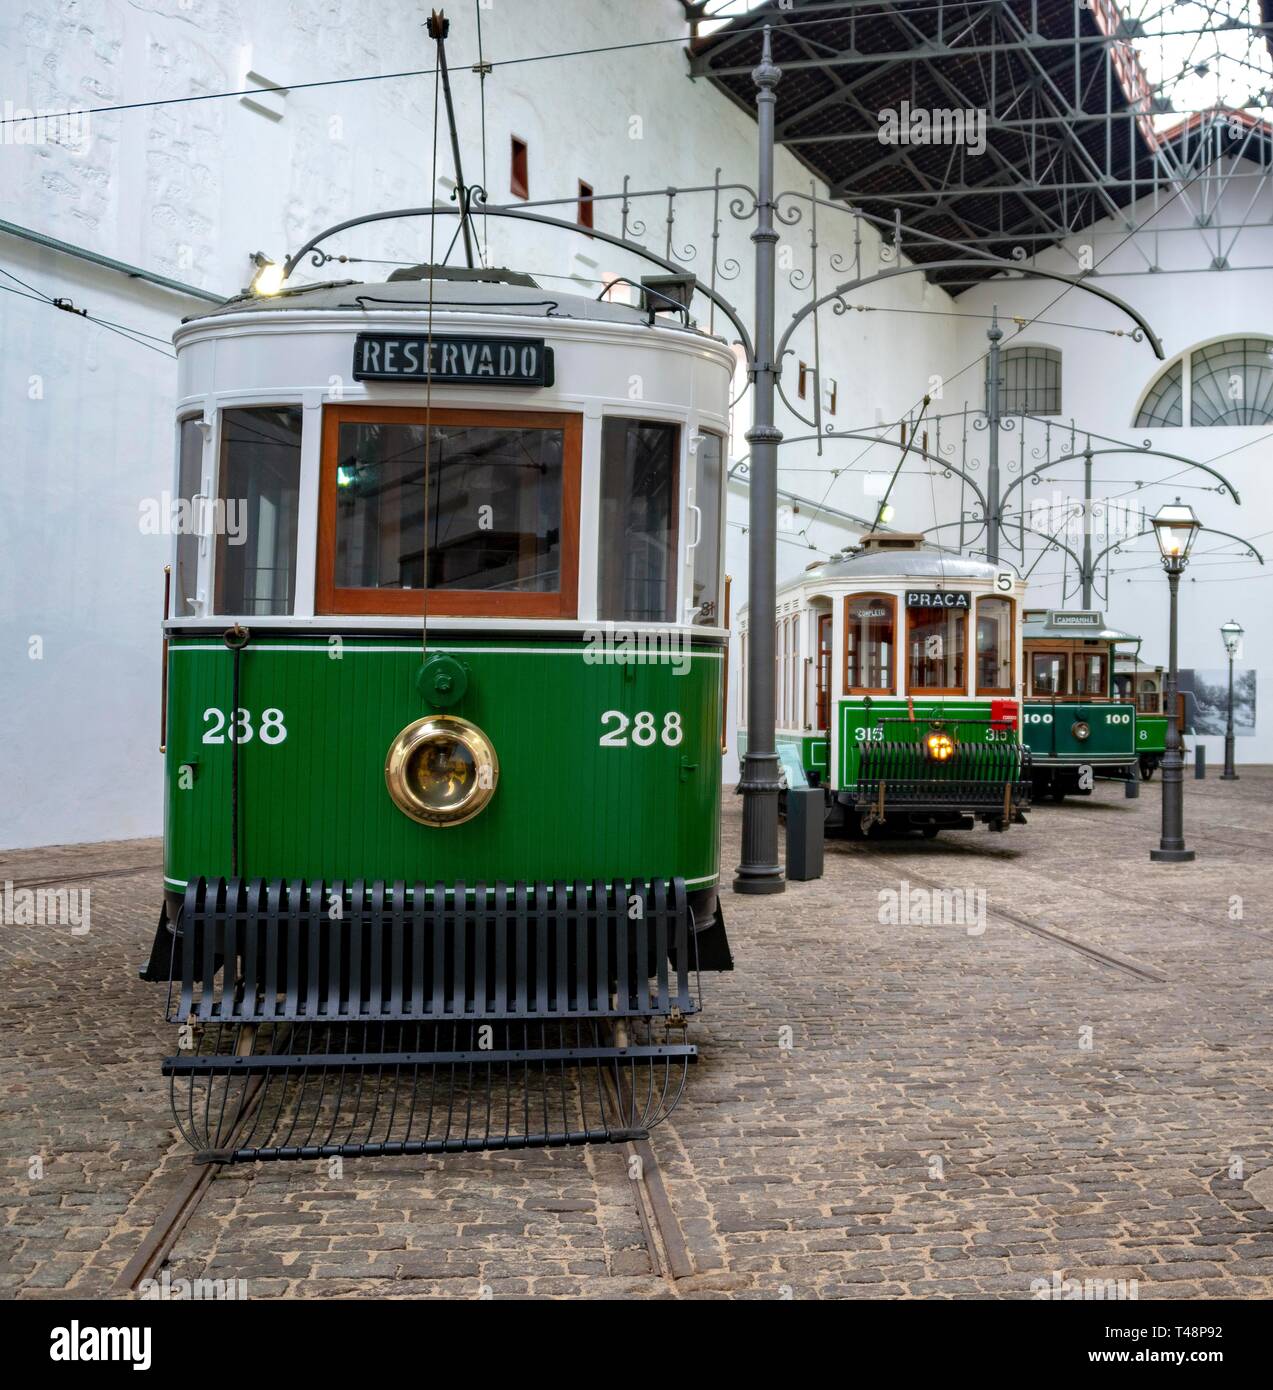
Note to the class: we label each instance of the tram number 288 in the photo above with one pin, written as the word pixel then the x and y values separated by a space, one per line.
pixel 645 729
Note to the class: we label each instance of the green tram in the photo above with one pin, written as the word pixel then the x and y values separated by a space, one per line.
pixel 898 688
pixel 1077 724
pixel 443 715
pixel 1142 684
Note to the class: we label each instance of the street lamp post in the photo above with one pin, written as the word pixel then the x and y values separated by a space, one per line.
pixel 759 870
pixel 1232 634
pixel 1175 526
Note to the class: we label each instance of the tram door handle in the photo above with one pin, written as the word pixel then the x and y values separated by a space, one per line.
pixel 686 768
pixel 698 526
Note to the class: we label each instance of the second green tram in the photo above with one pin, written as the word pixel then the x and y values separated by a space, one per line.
pixel 898 688
pixel 1078 726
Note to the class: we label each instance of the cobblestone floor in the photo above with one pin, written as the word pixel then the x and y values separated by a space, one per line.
pixel 881 1110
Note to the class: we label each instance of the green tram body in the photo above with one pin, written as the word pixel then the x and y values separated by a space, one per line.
pixel 464 850
pixel 1077 727
pixel 1143 684
pixel 314 803
pixel 868 751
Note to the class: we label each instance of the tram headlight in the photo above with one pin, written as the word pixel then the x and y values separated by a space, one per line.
pixel 1080 729
pixel 939 746
pixel 441 770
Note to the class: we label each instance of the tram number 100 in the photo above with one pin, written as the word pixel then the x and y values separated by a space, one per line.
pixel 224 728
pixel 645 729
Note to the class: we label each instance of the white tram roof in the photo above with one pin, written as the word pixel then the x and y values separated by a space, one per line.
pixel 1085 623
pixel 454 288
pixel 886 555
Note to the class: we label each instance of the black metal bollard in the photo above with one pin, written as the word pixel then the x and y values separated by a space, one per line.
pixel 1199 762
pixel 806 818
pixel 1131 788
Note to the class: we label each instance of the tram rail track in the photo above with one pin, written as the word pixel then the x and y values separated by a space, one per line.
pixel 81 878
pixel 664 1240
pixel 1109 959
pixel 1220 920
pixel 161 1239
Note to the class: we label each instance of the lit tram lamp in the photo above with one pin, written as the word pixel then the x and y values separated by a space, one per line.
pixel 1175 527
pixel 269 276
pixel 1232 634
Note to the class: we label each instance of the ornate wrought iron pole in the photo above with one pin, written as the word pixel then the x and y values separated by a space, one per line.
pixel 994 333
pixel 759 870
pixel 1088 568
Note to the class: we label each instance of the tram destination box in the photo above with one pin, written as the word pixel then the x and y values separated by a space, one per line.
pixel 458 360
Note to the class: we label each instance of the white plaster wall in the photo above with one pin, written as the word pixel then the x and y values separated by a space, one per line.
pixel 1103 380
pixel 191 190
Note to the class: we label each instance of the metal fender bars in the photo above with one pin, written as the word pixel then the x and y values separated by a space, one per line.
pixel 324 1019
pixel 991 780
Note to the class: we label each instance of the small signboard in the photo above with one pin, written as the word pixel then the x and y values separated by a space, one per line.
pixel 1078 617
pixel 452 359
pixel 939 598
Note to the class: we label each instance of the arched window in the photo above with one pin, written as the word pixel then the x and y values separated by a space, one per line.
pixel 1225 383
pixel 1164 405
pixel 1232 383
pixel 1031 381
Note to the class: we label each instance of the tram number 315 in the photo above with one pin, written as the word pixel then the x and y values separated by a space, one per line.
pixel 222 728
pixel 644 727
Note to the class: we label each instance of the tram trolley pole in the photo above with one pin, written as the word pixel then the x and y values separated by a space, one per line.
pixel 759 870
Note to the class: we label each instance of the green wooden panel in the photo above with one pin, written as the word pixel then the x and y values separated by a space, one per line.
pixel 1151 733
pixel 1049 735
pixel 314 802
pixel 889 721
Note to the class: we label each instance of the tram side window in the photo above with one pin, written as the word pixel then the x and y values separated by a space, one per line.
pixel 709 498
pixel 189 486
pixel 1048 673
pixel 994 646
pixel 1090 673
pixel 260 490
pixel 869 637
pixel 936 640
pixel 637 566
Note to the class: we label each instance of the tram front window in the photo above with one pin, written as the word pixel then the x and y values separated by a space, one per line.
pixel 936 640
pixel 1090 674
pixel 868 644
pixel 994 646
pixel 258 501
pixel 637 564
pixel 1048 673
pixel 486 506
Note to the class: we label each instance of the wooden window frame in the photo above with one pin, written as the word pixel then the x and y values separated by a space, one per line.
pixel 519 184
pixel 1075 657
pixel 458 603
pixel 891 600
pixel 1050 651
pixel 1010 688
pixel 936 689
pixel 584 214
pixel 819 689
